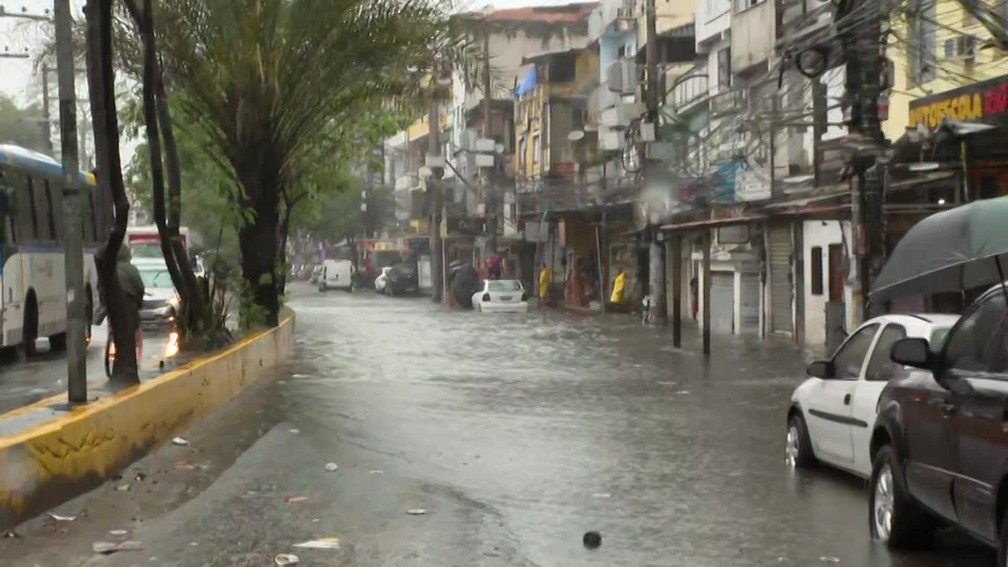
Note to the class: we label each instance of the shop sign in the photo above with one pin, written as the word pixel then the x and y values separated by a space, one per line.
pixel 981 102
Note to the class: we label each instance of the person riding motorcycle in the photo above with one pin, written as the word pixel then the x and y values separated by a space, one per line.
pixel 131 285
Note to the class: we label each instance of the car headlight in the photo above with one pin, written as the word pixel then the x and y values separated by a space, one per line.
pixel 173 302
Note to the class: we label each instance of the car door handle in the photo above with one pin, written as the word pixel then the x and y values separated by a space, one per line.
pixel 948 409
pixel 846 400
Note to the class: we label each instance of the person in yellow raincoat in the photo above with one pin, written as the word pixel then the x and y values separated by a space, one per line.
pixel 544 281
pixel 619 287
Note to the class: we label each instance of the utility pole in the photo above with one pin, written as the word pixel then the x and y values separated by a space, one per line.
pixel 489 179
pixel 656 255
pixel 435 201
pixel 73 249
pixel 863 51
pixel 46 114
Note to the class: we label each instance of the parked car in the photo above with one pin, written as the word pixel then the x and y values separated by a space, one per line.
pixel 382 280
pixel 161 300
pixel 402 278
pixel 501 296
pixel 832 411
pixel 337 274
pixel 315 274
pixel 939 446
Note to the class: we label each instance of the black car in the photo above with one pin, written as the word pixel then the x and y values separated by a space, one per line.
pixel 403 279
pixel 939 446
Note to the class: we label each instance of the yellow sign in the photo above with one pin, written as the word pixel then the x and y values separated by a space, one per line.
pixel 965 107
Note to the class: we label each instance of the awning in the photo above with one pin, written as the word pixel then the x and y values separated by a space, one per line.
pixel 713 223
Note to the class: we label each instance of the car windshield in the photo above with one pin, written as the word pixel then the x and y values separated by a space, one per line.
pixel 503 285
pixel 156 278
pixel 938 337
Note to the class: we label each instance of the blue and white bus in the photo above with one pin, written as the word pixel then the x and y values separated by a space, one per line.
pixel 32 233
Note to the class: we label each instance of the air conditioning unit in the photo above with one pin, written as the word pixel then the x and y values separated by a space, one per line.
pixel 623 77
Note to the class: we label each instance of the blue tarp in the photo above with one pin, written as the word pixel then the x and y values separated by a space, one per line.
pixel 527 84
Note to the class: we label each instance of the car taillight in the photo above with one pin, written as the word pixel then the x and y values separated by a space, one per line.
pixel 486 297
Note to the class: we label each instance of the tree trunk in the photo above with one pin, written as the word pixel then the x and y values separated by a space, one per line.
pixel 101 91
pixel 259 239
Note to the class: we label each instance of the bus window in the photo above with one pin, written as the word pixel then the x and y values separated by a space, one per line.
pixel 43 212
pixel 35 213
pixel 51 205
pixel 55 191
pixel 24 225
pixel 90 229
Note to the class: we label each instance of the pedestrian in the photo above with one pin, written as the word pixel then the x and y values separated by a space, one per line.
pixel 619 289
pixel 544 281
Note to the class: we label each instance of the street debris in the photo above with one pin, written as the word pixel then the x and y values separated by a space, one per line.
pixel 179 441
pixel 12 535
pixel 108 548
pixel 331 467
pixel 140 477
pixel 291 499
pixel 118 533
pixel 295 431
pixel 60 518
pixel 320 543
pixel 315 520
pixel 829 559
pixel 416 512
pixel 286 559
pixel 592 540
pixel 376 471
pixel 185 466
pixel 123 487
pixel 601 495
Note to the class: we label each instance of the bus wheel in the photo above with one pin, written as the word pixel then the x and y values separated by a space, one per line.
pixel 29 330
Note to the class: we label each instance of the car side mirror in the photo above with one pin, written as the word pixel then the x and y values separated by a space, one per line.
pixel 820 369
pixel 912 351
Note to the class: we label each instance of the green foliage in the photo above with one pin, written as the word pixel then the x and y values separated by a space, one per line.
pixel 22 126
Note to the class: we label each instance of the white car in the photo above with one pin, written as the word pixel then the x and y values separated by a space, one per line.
pixel 382 280
pixel 337 274
pixel 501 296
pixel 832 412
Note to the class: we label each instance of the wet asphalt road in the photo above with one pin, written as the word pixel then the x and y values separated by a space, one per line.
pixel 44 376
pixel 516 433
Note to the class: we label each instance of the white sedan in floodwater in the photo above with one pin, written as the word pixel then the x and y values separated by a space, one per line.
pixel 501 296
pixel 832 412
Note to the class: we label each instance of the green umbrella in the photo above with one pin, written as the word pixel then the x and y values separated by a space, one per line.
pixel 954 250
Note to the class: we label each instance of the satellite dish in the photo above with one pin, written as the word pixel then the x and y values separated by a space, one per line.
pixel 575 135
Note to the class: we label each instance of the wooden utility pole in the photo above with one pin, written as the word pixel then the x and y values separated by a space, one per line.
pixel 73 249
pixel 436 202
pixel 656 253
pixel 46 114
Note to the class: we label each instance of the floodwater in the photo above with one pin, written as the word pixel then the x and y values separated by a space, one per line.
pixel 516 434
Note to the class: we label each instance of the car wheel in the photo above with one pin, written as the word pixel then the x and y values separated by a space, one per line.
pixel 798 445
pixel 893 517
pixel 1002 558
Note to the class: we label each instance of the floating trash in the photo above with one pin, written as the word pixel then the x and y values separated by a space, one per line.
pixel 376 471
pixel 107 547
pixel 601 495
pixel 122 487
pixel 829 559
pixel 286 559
pixel 119 533
pixel 592 540
pixel 331 467
pixel 292 499
pixel 60 518
pixel 184 466
pixel 320 543
pixel 295 431
pixel 179 441
pixel 416 512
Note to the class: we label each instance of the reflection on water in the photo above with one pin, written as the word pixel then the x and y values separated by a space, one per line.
pixel 564 423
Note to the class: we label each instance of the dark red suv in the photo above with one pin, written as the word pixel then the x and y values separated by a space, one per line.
pixel 940 443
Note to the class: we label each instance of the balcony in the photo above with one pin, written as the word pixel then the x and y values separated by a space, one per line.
pixel 754 33
pixel 690 90
pixel 612 17
pixel 728 102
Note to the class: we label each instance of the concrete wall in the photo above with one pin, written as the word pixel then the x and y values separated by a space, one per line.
pixel 52 455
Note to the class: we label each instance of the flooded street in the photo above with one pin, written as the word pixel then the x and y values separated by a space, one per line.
pixel 515 433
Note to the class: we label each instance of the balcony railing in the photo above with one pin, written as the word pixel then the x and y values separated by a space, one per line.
pixel 728 102
pixel 611 15
pixel 560 195
pixel 690 89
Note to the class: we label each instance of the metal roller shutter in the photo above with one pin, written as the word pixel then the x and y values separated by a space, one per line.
pixel 780 279
pixel 749 304
pixel 722 302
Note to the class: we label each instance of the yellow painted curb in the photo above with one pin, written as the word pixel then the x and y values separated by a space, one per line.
pixel 76 450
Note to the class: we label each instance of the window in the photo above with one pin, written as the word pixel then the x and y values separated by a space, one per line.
pixel 746 4
pixel 815 263
pixel 881 368
pixel 536 149
pixel 55 190
pixel 43 212
pixel 724 69
pixel 973 343
pixel 850 356
pixel 23 227
pixel 156 278
pixel 923 40
pixel 503 286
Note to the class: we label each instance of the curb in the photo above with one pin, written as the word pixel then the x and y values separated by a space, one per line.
pixel 71 451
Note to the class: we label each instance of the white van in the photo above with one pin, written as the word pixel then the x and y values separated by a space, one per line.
pixel 337 274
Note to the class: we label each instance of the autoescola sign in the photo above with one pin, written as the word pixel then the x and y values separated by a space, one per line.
pixel 980 102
